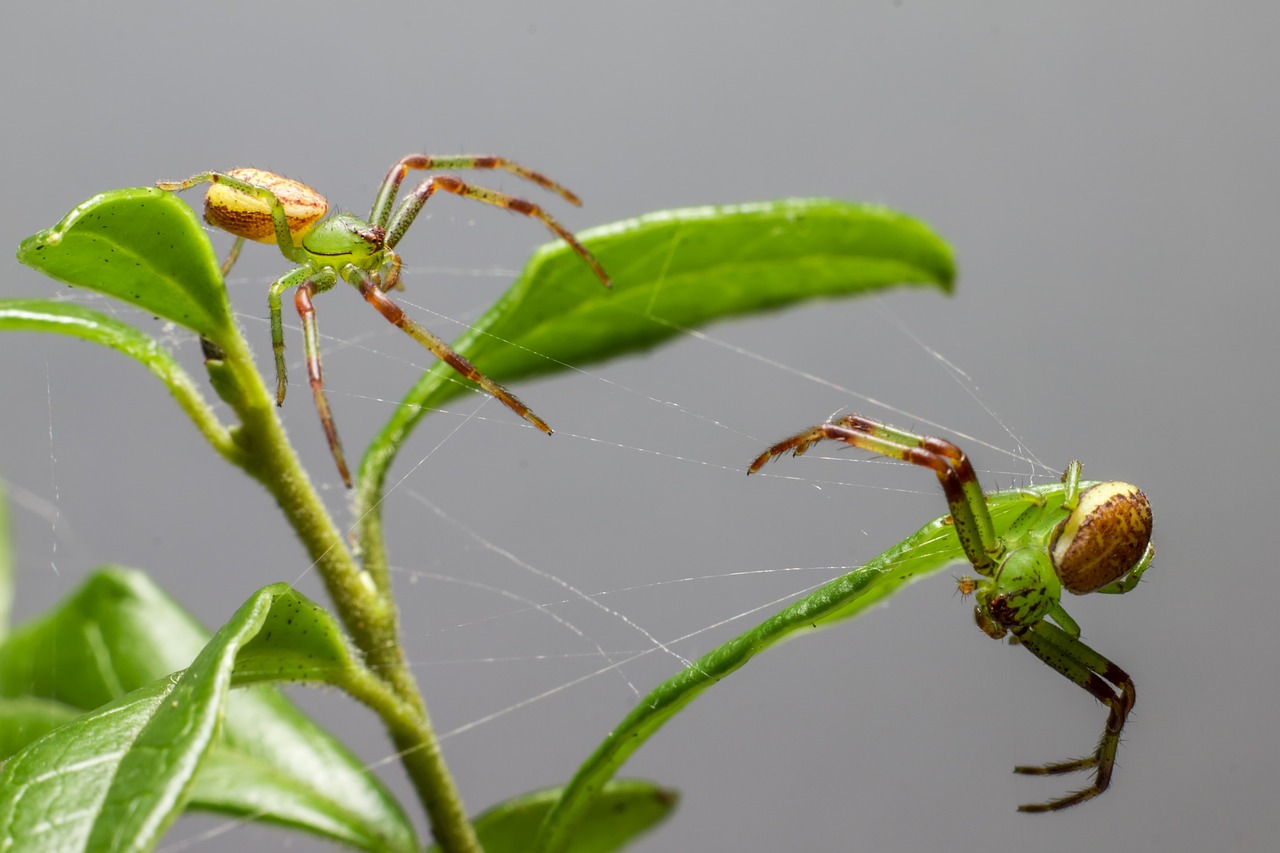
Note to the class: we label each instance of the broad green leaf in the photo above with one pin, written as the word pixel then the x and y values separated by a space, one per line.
pixel 52 791
pixel 625 809
pixel 143 246
pixel 925 552
pixel 672 271
pixel 115 641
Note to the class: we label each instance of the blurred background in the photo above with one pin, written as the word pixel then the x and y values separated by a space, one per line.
pixel 1107 177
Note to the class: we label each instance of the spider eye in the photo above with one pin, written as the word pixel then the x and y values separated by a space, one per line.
pixel 1104 537
pixel 371 234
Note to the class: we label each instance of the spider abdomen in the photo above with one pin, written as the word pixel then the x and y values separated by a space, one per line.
pixel 1103 538
pixel 246 216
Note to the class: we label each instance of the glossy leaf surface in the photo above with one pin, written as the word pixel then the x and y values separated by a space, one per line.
pixel 143 246
pixel 126 768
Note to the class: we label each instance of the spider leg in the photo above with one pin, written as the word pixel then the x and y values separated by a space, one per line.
pixel 1107 683
pixel 278 287
pixel 391 184
pixel 1134 575
pixel 311 341
pixel 413 203
pixel 374 295
pixel 392 279
pixel 956 475
pixel 232 256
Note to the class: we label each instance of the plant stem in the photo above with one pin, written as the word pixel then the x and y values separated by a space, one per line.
pixel 366 609
pixel 420 754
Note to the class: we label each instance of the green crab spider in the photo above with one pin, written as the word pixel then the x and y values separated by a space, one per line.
pixel 1099 540
pixel 263 206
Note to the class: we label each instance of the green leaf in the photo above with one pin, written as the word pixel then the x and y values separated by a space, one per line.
pixel 136 757
pixel 143 246
pixel 925 552
pixel 52 791
pixel 625 809
pixel 681 269
pixel 672 271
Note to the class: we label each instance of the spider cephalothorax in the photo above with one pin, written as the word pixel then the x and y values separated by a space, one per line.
pixel 256 205
pixel 1097 538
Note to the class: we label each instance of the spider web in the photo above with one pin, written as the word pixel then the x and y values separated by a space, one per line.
pixel 499 614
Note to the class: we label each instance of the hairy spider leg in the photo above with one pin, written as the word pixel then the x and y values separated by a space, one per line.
pixel 274 293
pixel 412 204
pixel 1093 672
pixel 382 203
pixel 374 294
pixel 969 484
pixel 315 372
pixel 959 482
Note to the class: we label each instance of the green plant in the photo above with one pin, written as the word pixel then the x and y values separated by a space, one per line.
pixel 107 759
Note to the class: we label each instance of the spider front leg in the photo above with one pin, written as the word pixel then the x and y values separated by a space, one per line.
pixel 381 212
pixel 315 372
pixel 959 481
pixel 1106 682
pixel 375 295
pixel 412 204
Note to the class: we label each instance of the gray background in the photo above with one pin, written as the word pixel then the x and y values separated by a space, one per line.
pixel 1107 176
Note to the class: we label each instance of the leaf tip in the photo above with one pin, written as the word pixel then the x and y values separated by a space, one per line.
pixel 28 248
pixel 947 280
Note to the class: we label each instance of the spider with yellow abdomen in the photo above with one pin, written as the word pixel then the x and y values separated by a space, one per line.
pixel 256 205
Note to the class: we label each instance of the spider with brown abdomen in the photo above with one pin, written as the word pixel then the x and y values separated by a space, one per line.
pixel 1097 540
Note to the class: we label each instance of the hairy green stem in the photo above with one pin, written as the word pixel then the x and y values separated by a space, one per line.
pixel 365 606
pixel 419 748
